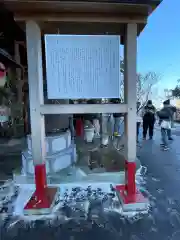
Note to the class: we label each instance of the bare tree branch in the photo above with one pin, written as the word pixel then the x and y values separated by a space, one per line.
pixel 144 85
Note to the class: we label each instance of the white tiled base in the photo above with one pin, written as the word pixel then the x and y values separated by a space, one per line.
pixel 73 175
pixel 54 142
pixel 54 162
pixel 138 207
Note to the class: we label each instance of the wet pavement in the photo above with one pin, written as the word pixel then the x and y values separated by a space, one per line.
pixel 161 184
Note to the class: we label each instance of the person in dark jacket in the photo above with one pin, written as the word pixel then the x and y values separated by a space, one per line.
pixel 172 110
pixel 165 116
pixel 148 119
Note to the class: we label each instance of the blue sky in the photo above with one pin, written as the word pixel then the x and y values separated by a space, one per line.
pixel 159 44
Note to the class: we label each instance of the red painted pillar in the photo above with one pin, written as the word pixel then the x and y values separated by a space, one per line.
pixel 40 178
pixel 130 175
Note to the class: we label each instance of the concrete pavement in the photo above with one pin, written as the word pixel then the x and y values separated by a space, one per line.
pixel 162 186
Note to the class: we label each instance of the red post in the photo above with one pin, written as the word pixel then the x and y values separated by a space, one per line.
pixel 43 198
pixel 130 175
pixel 40 178
pixel 128 192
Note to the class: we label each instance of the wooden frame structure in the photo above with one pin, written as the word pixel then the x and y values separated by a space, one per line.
pixel 80 17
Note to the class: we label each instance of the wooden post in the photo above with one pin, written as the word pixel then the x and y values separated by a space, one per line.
pixel 132 199
pixel 43 197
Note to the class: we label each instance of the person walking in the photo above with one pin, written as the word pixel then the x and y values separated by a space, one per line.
pixel 165 116
pixel 138 121
pixel 172 111
pixel 148 119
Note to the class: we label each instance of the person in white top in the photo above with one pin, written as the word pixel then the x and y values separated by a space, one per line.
pixel 138 120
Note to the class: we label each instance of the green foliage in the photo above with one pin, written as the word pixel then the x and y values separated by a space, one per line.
pixel 176 92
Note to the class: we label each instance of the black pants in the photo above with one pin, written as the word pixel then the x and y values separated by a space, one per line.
pixel 148 125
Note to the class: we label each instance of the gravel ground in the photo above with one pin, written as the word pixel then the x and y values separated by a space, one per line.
pixel 161 185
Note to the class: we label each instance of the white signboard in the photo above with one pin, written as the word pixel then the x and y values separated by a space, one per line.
pixel 81 66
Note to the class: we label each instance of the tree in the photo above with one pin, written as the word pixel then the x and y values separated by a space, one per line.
pixel 144 85
pixel 176 90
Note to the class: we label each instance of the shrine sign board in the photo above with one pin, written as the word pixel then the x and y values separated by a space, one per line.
pixel 82 66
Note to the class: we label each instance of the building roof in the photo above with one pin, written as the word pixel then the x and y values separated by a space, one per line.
pixel 54 14
pixel 57 5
